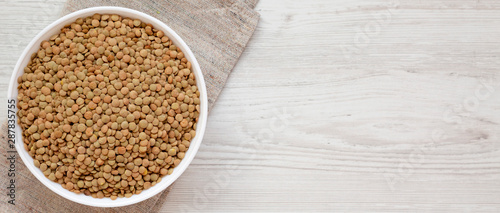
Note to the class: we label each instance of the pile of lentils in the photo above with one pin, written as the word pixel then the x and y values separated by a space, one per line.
pixel 108 106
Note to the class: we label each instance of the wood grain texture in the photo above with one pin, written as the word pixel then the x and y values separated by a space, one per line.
pixel 345 106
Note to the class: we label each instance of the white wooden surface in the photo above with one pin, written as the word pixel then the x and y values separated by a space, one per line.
pixel 344 105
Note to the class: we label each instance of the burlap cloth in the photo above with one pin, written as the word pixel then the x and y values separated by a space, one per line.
pixel 217 32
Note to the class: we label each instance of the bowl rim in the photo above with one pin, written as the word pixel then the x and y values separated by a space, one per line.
pixel 195 142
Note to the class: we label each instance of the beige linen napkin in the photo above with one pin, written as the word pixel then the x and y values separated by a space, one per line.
pixel 217 32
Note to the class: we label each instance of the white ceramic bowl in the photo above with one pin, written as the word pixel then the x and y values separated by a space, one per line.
pixel 195 143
